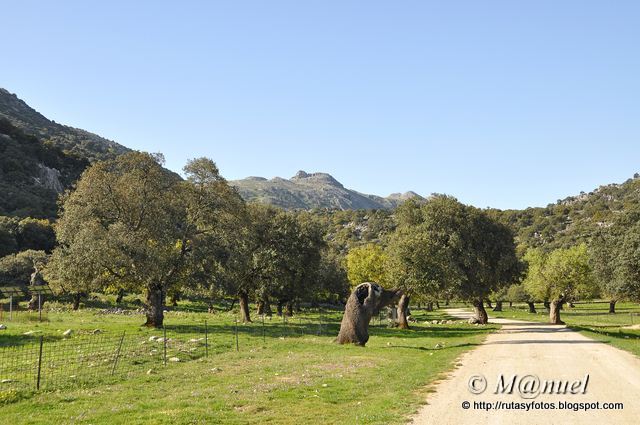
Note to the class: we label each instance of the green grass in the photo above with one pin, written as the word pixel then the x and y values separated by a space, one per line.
pixel 294 376
pixel 591 319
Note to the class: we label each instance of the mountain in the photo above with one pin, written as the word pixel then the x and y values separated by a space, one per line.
pixel 573 219
pixel 72 141
pixel 39 158
pixel 313 190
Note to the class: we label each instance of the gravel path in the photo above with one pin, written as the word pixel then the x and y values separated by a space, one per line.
pixel 550 353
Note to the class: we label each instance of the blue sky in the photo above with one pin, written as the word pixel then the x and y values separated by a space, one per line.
pixel 499 103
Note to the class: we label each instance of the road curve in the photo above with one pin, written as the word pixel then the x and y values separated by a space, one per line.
pixel 539 350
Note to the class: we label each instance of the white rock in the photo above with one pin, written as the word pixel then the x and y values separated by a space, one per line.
pixel 174 359
pixel 67 332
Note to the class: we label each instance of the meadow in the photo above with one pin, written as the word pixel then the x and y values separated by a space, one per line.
pixel 280 372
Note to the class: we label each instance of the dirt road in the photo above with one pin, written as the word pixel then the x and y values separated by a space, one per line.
pixel 548 353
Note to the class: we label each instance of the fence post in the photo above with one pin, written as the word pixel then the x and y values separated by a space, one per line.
pixel 39 363
pixel 115 361
pixel 11 307
pixel 164 343
pixel 206 339
pixel 263 336
pixel 235 330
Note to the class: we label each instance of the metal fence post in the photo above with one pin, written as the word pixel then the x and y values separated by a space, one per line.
pixel 115 360
pixel 164 342
pixel 206 339
pixel 39 363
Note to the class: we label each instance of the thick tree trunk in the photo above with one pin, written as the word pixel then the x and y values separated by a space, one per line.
pixel 480 313
pixel 120 296
pixel 403 308
pixel 612 306
pixel 554 312
pixel 76 301
pixel 243 300
pixel 532 307
pixel 498 306
pixel 429 306
pixel 155 307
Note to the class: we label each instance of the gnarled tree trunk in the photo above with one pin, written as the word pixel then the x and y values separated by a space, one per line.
pixel 155 307
pixel 498 306
pixel 76 300
pixel 243 300
pixel 612 306
pixel 480 313
pixel 532 307
pixel 365 301
pixel 554 312
pixel 403 308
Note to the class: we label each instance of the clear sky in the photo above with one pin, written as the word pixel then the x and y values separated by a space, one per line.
pixel 500 103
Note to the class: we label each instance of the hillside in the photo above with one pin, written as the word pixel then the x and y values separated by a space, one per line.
pixel 573 219
pixel 311 191
pixel 73 141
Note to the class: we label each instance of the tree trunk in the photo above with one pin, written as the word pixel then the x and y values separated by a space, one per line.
pixel 243 300
pixel 510 304
pixel 554 312
pixel 429 306
pixel 279 308
pixel 155 307
pixel 76 301
pixel 532 307
pixel 437 305
pixel 403 308
pixel 498 306
pixel 210 308
pixel 488 304
pixel 547 305
pixel 612 306
pixel 120 296
pixel 289 309
pixel 175 298
pixel 446 302
pixel 480 313
pixel 33 302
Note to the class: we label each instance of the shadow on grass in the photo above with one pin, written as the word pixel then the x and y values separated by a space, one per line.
pixel 467 344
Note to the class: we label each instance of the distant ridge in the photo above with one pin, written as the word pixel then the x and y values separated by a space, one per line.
pixel 312 191
pixel 72 141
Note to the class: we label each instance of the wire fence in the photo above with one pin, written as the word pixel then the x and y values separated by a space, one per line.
pixel 53 362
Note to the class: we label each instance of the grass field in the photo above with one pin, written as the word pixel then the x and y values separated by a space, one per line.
pixel 295 374
pixel 591 319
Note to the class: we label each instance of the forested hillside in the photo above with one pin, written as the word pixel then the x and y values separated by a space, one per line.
pixel 71 140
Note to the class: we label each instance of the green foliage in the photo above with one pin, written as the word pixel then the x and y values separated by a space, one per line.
pixel 443 245
pixel 563 274
pixel 23 191
pixel 366 263
pixel 16 269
